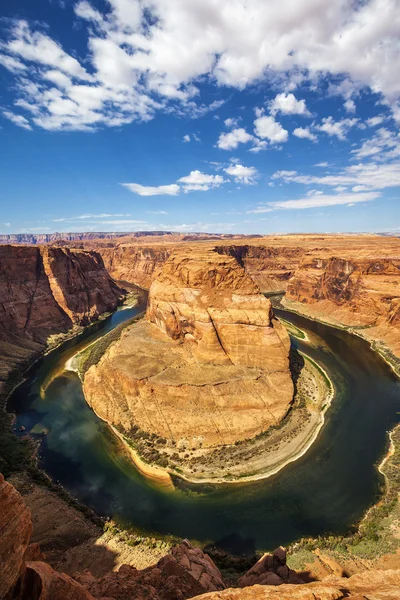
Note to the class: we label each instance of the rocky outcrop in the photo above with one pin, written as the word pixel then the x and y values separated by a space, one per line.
pixel 47 290
pixel 369 585
pixel 271 569
pixel 271 268
pixel 15 533
pixel 209 367
pixel 356 293
pixel 185 573
pixel 135 264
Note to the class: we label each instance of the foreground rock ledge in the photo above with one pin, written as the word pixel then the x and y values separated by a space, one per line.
pixel 209 366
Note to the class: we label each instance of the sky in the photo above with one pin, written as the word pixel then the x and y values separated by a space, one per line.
pixel 231 116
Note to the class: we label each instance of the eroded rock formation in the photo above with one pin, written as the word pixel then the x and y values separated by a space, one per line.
pixel 209 367
pixel 356 293
pixel 47 290
pixel 15 533
pixel 135 264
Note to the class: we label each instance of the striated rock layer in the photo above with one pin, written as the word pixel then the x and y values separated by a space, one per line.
pixel 209 367
pixel 362 293
pixel 135 264
pixel 47 290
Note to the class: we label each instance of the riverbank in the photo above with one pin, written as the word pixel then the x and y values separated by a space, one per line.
pixel 250 460
pixel 378 345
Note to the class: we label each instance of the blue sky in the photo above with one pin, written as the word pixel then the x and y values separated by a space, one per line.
pixel 219 116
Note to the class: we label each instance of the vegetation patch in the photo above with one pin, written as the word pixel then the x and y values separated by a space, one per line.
pixel 93 353
pixel 379 531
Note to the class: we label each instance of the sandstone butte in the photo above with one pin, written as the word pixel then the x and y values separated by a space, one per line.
pixel 210 365
pixel 186 572
pixel 46 291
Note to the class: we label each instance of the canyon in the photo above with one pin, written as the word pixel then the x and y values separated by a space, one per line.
pixel 346 280
pixel 47 291
pixel 203 341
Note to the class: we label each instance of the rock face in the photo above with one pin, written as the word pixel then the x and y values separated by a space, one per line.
pixel 271 268
pixel 46 290
pixel 15 533
pixel 135 264
pixel 210 366
pixel 352 292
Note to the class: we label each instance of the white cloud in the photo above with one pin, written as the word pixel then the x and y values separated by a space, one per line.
pixel 242 174
pixel 305 133
pixel 12 64
pixel 161 190
pixel 383 145
pixel 147 56
pixel 321 164
pixel 36 47
pixel 336 128
pixel 231 123
pixel 186 138
pixel 198 181
pixel 317 200
pixel 288 105
pixel 267 127
pixel 373 176
pixel 258 145
pixel 374 121
pixel 231 140
pixel 350 106
pixel 17 119
pixel 90 216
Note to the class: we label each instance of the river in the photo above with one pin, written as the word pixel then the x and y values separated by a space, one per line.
pixel 326 491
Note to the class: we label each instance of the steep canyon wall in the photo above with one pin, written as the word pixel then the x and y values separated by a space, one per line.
pixel 44 291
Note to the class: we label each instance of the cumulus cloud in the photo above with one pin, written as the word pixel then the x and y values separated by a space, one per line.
pixel 231 122
pixel 242 174
pixel 350 106
pixel 288 105
pixel 200 182
pixel 231 140
pixel 267 127
pixel 186 138
pixel 305 133
pixel 147 190
pixel 146 56
pixel 336 128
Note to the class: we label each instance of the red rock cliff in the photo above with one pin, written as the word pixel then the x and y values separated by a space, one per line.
pixel 46 290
